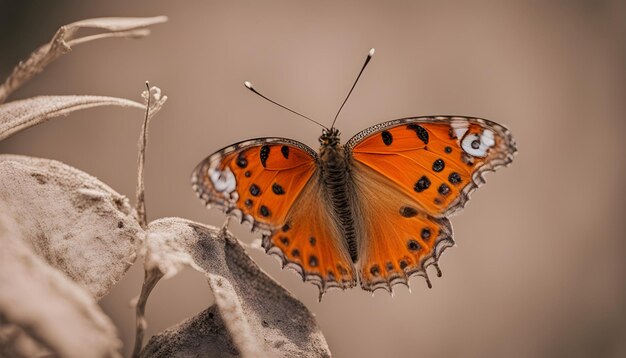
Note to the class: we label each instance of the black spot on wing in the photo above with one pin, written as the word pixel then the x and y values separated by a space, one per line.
pixel 277 189
pixel 255 190
pixel 422 133
pixel 422 184
pixel 408 211
pixel 454 178
pixel 438 165
pixel 264 154
pixel 375 270
pixel 413 245
pixel 264 211
pixel 387 137
pixel 443 189
pixel 242 162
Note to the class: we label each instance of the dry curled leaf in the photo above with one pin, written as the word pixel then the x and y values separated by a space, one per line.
pixel 18 115
pixel 65 37
pixel 204 333
pixel 76 223
pixel 260 316
pixel 46 305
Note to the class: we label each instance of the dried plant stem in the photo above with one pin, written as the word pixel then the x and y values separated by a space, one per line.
pixel 150 280
pixel 143 141
pixel 152 275
pixel 65 38
pixel 37 61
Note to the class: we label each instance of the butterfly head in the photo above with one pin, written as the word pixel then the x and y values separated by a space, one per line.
pixel 330 137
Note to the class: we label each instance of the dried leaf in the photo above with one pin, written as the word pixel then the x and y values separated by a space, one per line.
pixel 64 38
pixel 72 220
pixel 18 115
pixel 204 333
pixel 16 343
pixel 115 24
pixel 46 305
pixel 261 317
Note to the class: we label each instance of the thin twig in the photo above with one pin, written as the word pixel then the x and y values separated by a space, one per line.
pixel 143 140
pixel 150 280
pixel 151 276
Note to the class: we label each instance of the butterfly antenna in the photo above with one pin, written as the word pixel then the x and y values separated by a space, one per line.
pixel 251 88
pixel 367 60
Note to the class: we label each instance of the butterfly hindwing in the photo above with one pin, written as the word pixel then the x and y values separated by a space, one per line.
pixel 438 161
pixel 310 241
pixel 274 184
pixel 398 239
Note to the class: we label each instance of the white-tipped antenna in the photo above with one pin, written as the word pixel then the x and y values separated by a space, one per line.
pixel 251 88
pixel 367 60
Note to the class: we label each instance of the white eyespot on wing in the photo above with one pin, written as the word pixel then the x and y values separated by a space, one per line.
pixel 459 128
pixel 478 145
pixel 223 180
pixel 487 138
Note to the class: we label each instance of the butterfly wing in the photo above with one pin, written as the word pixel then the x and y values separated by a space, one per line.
pixel 311 242
pixel 398 239
pixel 408 175
pixel 439 161
pixel 274 184
pixel 256 180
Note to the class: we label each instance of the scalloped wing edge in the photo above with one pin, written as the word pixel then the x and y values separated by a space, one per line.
pixel 444 241
pixel 316 279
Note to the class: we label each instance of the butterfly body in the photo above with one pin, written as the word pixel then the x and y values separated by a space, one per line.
pixel 373 210
pixel 334 173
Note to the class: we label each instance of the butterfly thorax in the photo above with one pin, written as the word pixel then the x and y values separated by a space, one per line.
pixel 334 172
pixel 329 137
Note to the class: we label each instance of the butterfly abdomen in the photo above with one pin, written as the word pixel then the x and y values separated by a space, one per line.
pixel 334 173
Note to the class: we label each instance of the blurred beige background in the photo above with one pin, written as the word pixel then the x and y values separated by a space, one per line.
pixel 539 270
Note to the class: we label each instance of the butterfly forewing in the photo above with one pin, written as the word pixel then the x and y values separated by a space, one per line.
pixel 438 161
pixel 258 179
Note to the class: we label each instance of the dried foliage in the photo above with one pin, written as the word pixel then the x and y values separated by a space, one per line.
pixel 67 238
pixel 74 222
pixel 19 115
pixel 65 38
pixel 261 317
pixel 41 300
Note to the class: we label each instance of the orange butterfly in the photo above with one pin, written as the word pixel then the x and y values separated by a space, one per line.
pixel 374 209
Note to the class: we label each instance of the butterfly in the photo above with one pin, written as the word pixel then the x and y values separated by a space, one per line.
pixel 374 210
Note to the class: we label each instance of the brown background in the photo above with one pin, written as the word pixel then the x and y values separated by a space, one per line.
pixel 539 270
